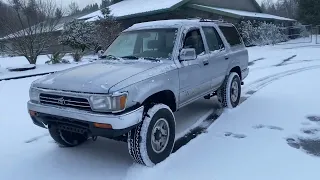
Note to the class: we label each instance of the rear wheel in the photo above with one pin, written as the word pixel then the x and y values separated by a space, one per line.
pixel 152 141
pixel 65 138
pixel 230 91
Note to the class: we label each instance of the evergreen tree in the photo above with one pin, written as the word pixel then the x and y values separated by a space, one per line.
pixel 90 8
pixel 115 1
pixel 105 3
pixel 309 11
pixel 107 29
pixel 58 13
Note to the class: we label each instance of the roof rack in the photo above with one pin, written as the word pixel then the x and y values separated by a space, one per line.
pixel 206 20
pixel 211 20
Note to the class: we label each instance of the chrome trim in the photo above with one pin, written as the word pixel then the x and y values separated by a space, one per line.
pixel 80 95
pixel 122 121
pixel 43 99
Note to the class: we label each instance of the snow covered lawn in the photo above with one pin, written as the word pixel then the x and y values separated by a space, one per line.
pixel 274 134
pixel 41 68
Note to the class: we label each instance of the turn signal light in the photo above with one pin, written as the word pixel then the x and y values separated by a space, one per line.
pixel 32 113
pixel 103 126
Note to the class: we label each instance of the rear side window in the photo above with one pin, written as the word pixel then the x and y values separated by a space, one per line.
pixel 231 35
pixel 213 38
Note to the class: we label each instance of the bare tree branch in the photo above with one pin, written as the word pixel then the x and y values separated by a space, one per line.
pixel 29 30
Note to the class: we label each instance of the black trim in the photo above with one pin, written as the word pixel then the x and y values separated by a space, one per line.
pixel 78 126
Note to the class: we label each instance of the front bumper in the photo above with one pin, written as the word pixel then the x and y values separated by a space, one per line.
pixel 118 122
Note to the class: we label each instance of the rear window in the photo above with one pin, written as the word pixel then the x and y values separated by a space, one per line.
pixel 231 35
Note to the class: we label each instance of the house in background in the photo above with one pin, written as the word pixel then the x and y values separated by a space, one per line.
pixel 129 12
pixel 54 42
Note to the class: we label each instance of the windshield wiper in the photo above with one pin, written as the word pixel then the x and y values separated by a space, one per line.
pixel 136 58
pixel 152 59
pixel 109 56
pixel 130 57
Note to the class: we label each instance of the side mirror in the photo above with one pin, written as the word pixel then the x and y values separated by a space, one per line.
pixel 100 53
pixel 187 54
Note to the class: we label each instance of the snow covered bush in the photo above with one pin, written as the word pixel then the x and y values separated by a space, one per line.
pixel 301 30
pixel 77 55
pixel 261 33
pixel 55 58
pixel 79 35
pixel 95 35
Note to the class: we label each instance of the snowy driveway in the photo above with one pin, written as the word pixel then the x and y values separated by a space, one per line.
pixel 273 134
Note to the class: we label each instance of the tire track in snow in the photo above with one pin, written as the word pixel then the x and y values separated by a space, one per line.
pixel 251 63
pixel 36 138
pixel 257 85
pixel 248 91
pixel 285 61
pixel 308 143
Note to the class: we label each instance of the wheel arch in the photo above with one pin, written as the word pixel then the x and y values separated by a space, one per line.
pixel 237 70
pixel 166 97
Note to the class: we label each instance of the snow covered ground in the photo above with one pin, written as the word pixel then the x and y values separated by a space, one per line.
pixel 41 68
pixel 274 133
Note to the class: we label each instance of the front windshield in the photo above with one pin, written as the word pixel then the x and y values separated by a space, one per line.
pixel 148 43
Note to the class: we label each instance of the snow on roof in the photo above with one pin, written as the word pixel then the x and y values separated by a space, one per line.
pixel 131 7
pixel 245 13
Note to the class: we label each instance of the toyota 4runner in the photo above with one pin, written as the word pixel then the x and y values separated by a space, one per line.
pixel 151 70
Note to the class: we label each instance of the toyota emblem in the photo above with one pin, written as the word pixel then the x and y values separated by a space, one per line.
pixel 61 101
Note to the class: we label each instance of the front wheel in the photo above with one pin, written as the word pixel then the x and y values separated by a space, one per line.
pixel 152 141
pixel 230 91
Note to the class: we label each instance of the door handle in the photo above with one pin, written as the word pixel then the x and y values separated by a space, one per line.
pixel 226 57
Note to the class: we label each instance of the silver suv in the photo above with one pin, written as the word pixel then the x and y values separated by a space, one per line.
pixel 151 70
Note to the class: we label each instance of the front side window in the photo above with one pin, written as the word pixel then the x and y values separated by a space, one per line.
pixel 151 43
pixel 213 38
pixel 194 40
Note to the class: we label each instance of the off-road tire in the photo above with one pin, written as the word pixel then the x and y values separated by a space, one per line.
pixel 66 139
pixel 225 91
pixel 139 138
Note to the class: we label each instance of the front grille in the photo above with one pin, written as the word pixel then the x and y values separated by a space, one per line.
pixel 65 101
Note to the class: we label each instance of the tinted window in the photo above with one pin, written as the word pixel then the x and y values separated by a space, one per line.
pixel 213 39
pixel 231 35
pixel 194 40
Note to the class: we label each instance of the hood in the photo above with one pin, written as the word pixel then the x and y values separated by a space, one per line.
pixel 93 78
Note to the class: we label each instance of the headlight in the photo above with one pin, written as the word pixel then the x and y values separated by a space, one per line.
pixel 114 103
pixel 34 94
